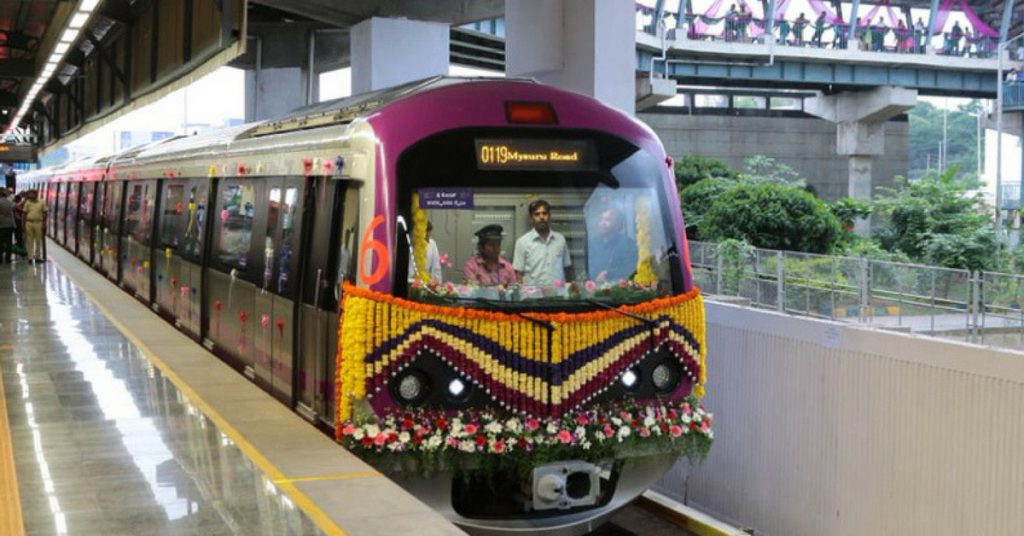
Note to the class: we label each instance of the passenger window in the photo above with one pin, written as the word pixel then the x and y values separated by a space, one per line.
pixel 269 247
pixel 139 222
pixel 195 219
pixel 112 212
pixel 289 240
pixel 235 225
pixel 172 216
pixel 134 209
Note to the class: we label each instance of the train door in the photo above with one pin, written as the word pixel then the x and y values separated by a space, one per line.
pixel 70 216
pixel 136 237
pixel 111 229
pixel 178 261
pixel 329 260
pixel 231 273
pixel 83 222
pixel 278 283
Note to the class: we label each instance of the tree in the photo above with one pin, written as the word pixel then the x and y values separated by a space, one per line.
pixel 934 220
pixel 698 198
pixel 961 138
pixel 760 168
pixel 771 215
pixel 691 169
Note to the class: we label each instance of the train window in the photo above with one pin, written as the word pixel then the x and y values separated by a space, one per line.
pixel 139 216
pixel 173 216
pixel 195 219
pixel 85 203
pixel 287 260
pixel 234 232
pixel 603 232
pixel 112 209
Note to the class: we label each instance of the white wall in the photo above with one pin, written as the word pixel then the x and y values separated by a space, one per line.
pixel 826 429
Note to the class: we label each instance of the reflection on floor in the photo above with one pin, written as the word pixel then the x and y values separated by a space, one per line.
pixel 103 443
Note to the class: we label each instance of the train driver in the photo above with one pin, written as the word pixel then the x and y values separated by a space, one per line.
pixel 488 268
pixel 542 255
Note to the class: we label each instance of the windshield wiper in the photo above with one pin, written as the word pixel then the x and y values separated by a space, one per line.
pixel 650 323
pixel 506 309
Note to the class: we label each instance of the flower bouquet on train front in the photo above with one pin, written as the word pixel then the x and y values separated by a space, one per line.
pixel 425 442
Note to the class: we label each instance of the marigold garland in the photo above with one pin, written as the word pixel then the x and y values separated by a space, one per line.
pixel 644 271
pixel 419 239
pixel 508 354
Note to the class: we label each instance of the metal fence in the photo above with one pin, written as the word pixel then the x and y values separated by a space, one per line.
pixel 982 307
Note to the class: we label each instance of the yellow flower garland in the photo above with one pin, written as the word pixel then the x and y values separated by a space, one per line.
pixel 371 320
pixel 644 271
pixel 419 239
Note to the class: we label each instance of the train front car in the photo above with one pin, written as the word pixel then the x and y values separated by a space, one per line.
pixel 526 349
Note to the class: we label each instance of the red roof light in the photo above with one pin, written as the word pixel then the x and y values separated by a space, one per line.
pixel 537 113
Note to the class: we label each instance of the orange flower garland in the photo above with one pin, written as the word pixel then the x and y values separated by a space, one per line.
pixel 380 332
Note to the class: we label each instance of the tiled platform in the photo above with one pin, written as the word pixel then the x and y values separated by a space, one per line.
pixel 118 424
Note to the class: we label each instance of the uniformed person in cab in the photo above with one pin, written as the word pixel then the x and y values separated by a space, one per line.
pixel 488 268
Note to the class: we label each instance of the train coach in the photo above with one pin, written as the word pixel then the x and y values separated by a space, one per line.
pixel 480 286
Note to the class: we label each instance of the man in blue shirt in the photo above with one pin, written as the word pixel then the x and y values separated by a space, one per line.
pixel 612 252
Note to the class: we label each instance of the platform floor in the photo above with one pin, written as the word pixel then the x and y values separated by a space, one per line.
pixel 117 424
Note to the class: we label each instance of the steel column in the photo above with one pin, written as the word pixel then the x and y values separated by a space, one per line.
pixel 931 27
pixel 851 36
pixel 1004 26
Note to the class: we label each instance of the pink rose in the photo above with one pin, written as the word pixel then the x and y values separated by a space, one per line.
pixel 449 287
pixel 417 284
pixel 443 259
pixel 564 436
pixel 686 408
pixel 705 427
pixel 608 430
pixel 532 424
pixel 349 429
pixel 379 440
pixel 582 420
pixel 590 286
pixel 558 283
pixel 498 446
pixel 675 430
pixel 471 429
pixel 644 432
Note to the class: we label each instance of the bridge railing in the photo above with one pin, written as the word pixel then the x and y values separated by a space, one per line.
pixel 984 307
pixel 1013 95
pixel 744 28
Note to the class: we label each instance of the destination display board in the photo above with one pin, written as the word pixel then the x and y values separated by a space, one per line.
pixel 16 152
pixel 535 155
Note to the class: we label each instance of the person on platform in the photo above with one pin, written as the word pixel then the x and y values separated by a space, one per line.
pixel 919 37
pixel 487 268
pixel 613 253
pixel 34 210
pixel 798 30
pixel 7 227
pixel 542 255
pixel 819 29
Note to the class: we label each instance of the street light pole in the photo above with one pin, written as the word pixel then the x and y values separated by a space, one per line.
pixel 1000 49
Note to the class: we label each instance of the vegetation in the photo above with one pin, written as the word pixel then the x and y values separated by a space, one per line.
pixel 935 221
pixel 961 138
pixel 692 169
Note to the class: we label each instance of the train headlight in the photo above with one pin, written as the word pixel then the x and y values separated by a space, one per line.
pixel 456 388
pixel 630 379
pixel 411 387
pixel 665 377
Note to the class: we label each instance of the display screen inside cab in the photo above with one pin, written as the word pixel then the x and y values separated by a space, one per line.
pixel 535 155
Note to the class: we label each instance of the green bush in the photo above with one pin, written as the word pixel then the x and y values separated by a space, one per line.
pixel 697 200
pixel 692 169
pixel 773 216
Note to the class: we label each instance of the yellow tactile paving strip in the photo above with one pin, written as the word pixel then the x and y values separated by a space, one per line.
pixel 10 504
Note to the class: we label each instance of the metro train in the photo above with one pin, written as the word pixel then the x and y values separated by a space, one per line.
pixel 297 250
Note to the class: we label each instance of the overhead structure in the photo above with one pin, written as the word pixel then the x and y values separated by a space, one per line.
pixel 75 64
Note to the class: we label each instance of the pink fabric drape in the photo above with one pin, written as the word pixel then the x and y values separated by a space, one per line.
pixel 979 25
pixel 700 27
pixel 830 16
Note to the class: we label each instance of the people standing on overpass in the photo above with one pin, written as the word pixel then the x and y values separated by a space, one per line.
pixel 783 31
pixel 730 23
pixel 953 40
pixel 840 29
pixel 878 35
pixel 819 28
pixel 919 36
pixel 798 30
pixel 7 227
pixel 742 21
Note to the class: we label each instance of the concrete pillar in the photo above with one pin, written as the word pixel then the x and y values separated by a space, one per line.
pixel 588 46
pixel 388 52
pixel 860 130
pixel 277 70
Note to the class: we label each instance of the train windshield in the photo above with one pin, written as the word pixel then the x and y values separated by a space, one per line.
pixel 560 220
